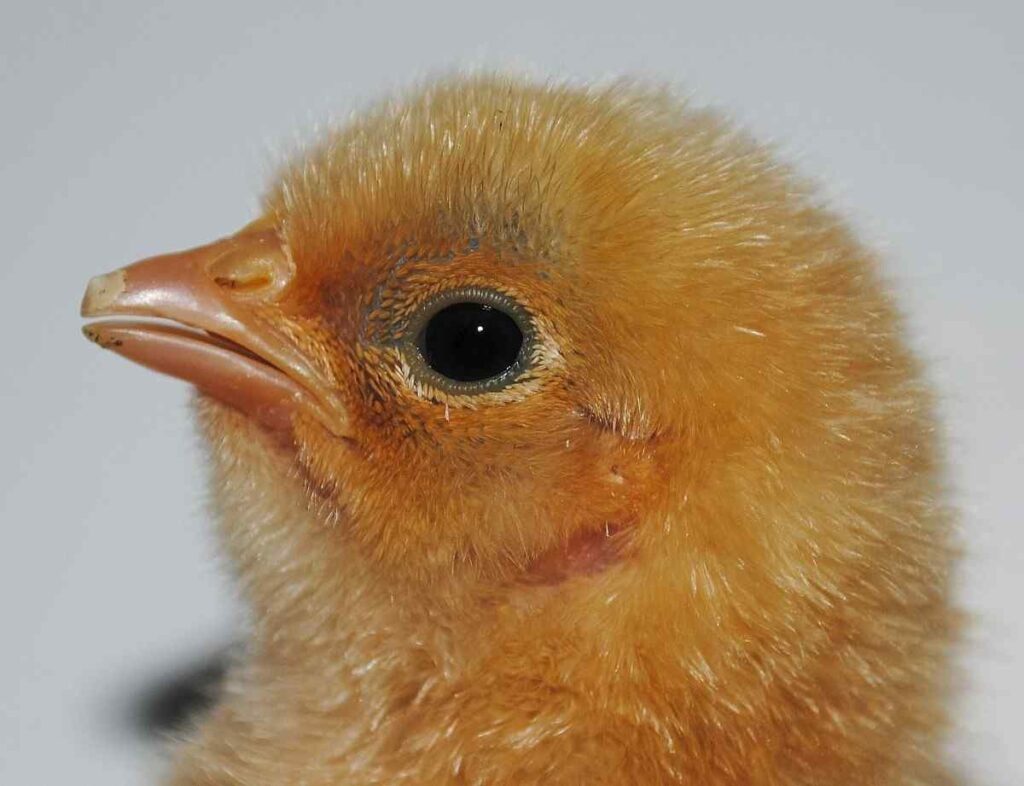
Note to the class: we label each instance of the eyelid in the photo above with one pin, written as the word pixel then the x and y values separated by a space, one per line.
pixel 471 294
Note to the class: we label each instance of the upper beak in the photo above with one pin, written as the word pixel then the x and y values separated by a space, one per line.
pixel 227 343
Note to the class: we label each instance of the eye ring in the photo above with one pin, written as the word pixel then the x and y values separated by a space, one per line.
pixel 498 310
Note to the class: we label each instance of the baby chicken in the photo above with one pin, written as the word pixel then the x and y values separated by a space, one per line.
pixel 559 436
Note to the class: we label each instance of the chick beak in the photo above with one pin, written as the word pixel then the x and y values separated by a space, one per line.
pixel 225 341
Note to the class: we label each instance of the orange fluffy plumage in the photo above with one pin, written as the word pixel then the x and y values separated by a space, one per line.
pixel 559 436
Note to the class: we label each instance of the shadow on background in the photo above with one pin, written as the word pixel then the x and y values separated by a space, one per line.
pixel 171 702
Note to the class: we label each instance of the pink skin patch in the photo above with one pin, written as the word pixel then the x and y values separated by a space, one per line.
pixel 583 554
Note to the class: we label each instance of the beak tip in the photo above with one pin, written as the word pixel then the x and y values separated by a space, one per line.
pixel 102 292
pixel 93 335
pixel 102 339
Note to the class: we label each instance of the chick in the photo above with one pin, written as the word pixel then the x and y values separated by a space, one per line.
pixel 559 436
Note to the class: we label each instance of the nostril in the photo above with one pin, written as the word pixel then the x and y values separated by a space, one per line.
pixel 262 268
pixel 244 280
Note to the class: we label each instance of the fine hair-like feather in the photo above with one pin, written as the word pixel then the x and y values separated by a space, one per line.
pixel 703 541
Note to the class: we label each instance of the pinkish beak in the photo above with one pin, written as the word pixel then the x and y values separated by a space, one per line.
pixel 226 342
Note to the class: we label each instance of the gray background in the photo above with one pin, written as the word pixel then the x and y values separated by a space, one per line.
pixel 133 128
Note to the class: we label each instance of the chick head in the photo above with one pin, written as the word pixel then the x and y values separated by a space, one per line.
pixel 497 335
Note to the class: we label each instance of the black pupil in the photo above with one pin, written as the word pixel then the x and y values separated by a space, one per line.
pixel 470 342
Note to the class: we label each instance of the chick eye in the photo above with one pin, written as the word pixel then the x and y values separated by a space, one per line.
pixel 471 342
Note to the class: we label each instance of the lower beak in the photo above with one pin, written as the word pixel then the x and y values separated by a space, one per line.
pixel 225 342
